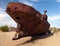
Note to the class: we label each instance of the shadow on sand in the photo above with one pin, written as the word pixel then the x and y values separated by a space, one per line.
pixel 36 37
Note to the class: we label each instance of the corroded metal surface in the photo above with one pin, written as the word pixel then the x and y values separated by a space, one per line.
pixel 29 20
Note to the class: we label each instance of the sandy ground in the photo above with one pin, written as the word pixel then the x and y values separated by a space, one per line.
pixel 44 40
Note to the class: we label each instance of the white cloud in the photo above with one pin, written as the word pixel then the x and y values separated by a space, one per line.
pixel 58 0
pixel 35 0
pixel 28 3
pixel 54 18
pixel 9 23
pixel 2 9
pixel 2 14
pixel 5 19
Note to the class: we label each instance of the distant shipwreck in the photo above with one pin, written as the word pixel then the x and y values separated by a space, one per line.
pixel 29 21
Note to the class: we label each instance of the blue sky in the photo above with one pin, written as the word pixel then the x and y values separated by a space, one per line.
pixel 52 7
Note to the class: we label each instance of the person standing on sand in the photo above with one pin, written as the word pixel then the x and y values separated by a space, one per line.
pixel 18 33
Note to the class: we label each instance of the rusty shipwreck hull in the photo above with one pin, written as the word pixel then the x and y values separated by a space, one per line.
pixel 30 20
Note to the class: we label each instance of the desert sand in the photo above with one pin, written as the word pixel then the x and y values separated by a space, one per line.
pixel 40 40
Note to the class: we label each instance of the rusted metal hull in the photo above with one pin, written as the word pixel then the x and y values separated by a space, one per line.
pixel 29 19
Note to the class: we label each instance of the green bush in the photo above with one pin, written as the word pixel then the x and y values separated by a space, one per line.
pixel 4 28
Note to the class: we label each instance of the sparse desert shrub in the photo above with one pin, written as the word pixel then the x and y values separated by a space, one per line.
pixel 54 29
pixel 4 28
